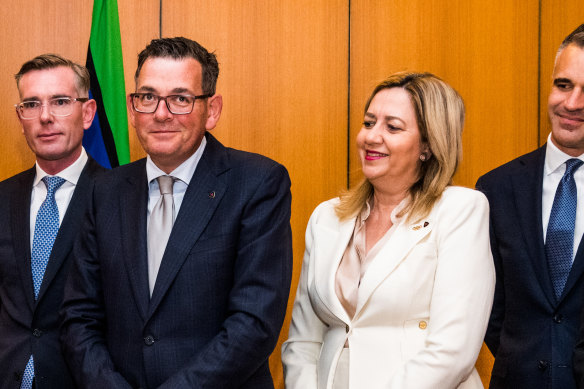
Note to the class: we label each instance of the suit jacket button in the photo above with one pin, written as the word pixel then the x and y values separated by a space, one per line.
pixel 542 365
pixel 37 333
pixel 422 324
pixel 149 340
pixel 558 318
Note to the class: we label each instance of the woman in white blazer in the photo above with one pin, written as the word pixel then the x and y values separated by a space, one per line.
pixel 397 280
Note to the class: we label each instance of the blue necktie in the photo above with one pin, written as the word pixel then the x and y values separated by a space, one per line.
pixel 45 231
pixel 559 243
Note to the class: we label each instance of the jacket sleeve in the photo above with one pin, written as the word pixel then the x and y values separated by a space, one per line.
pixel 301 351
pixel 461 298
pixel 83 316
pixel 498 312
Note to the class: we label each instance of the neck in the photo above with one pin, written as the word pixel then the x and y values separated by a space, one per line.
pixel 53 167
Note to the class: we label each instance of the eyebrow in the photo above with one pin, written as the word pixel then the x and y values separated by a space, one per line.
pixel 36 98
pixel 388 117
pixel 150 89
pixel 562 80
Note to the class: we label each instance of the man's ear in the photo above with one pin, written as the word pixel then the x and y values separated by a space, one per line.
pixel 89 108
pixel 214 107
pixel 131 110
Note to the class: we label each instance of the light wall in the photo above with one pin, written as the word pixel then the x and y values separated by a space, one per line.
pixel 295 76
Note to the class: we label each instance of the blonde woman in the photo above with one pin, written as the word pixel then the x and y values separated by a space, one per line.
pixel 398 280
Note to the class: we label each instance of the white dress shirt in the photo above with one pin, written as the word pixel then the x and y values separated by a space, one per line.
pixel 62 196
pixel 554 169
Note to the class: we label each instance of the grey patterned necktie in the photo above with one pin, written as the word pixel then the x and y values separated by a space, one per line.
pixel 159 228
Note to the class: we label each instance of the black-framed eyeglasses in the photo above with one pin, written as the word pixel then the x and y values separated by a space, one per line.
pixel 57 106
pixel 176 104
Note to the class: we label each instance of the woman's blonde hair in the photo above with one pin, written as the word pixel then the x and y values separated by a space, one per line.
pixel 440 116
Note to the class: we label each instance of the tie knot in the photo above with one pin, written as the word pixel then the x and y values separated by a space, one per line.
pixel 572 165
pixel 165 184
pixel 52 184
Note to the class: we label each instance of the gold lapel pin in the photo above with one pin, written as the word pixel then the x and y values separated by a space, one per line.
pixel 212 194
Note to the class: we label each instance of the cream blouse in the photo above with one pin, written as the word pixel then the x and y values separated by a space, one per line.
pixel 356 259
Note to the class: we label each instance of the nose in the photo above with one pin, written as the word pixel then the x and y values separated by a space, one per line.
pixel 575 100
pixel 373 136
pixel 162 113
pixel 45 115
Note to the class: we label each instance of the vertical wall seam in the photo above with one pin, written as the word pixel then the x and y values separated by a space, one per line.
pixel 539 108
pixel 160 20
pixel 349 96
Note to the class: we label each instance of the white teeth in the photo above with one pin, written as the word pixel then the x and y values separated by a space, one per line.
pixel 377 155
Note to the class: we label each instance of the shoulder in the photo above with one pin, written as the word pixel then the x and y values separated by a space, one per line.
pixel 21 179
pixel 238 163
pixel 325 212
pixel 109 179
pixel 514 167
pixel 460 200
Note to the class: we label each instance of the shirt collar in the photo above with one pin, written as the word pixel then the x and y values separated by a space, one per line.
pixel 71 173
pixel 554 157
pixel 183 172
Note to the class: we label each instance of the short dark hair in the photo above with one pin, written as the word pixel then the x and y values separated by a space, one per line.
pixel 51 61
pixel 180 48
pixel 575 37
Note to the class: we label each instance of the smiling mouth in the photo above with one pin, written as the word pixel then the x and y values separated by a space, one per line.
pixel 372 155
pixel 571 118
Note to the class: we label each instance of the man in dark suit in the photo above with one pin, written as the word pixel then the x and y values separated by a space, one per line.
pixel 199 303
pixel 537 222
pixel 37 236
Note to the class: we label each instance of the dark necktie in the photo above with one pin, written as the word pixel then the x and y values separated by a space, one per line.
pixel 559 243
pixel 45 231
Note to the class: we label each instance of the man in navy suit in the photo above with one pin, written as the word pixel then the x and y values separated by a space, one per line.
pixel 536 313
pixel 208 313
pixel 54 111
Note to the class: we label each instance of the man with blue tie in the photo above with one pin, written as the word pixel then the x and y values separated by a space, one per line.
pixel 182 273
pixel 42 209
pixel 537 223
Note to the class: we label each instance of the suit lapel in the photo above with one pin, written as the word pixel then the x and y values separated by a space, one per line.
pixel 133 213
pixel 576 271
pixel 20 224
pixel 396 249
pixel 527 191
pixel 196 210
pixel 330 243
pixel 72 221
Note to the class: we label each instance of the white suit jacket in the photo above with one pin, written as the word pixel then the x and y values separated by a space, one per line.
pixel 423 305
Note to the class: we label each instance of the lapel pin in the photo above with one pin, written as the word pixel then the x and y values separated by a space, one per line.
pixel 212 194
pixel 416 228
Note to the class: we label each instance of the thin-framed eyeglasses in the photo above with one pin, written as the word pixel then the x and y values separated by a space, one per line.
pixel 57 106
pixel 176 104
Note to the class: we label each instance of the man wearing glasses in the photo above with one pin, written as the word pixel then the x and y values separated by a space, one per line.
pixel 41 210
pixel 182 273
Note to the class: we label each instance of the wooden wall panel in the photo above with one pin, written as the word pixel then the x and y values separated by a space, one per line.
pixel 284 80
pixel 488 51
pixel 558 19
pixel 485 50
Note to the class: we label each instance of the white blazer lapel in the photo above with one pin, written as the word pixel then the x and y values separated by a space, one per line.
pixel 330 244
pixel 397 248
